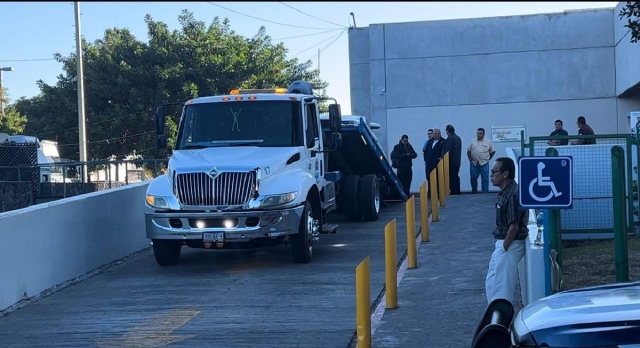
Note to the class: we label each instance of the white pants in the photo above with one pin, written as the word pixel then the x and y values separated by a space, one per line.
pixel 503 271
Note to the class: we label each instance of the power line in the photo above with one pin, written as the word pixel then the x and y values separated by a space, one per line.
pixel 305 35
pixel 319 43
pixel 111 139
pixel 312 16
pixel 328 45
pixel 265 20
pixel 26 60
pixel 90 124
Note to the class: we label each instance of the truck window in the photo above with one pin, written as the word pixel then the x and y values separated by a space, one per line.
pixel 312 125
pixel 261 123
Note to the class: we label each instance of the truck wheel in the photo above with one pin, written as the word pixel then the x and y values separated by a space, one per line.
pixel 302 242
pixel 167 252
pixel 369 199
pixel 349 192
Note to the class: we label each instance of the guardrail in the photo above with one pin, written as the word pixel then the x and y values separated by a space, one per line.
pixel 439 189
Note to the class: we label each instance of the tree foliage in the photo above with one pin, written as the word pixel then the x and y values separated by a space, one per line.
pixel 11 121
pixel 125 78
pixel 631 11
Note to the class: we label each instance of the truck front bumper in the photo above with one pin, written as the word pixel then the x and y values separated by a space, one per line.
pixel 238 226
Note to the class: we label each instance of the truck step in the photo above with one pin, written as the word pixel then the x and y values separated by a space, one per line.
pixel 329 228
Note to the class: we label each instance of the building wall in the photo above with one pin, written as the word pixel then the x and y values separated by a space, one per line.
pixel 489 72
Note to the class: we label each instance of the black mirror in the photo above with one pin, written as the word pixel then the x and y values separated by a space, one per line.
pixel 161 142
pixel 161 139
pixel 336 140
pixel 335 118
pixel 160 120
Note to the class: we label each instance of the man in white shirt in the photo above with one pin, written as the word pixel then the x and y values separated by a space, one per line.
pixel 480 152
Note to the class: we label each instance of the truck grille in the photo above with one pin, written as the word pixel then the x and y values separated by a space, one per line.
pixel 228 188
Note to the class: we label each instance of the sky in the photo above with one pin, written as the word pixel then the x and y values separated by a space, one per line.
pixel 33 32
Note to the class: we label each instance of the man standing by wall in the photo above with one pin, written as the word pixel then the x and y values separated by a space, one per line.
pixel 453 145
pixel 402 158
pixel 480 152
pixel 584 129
pixel 510 233
pixel 432 153
pixel 429 136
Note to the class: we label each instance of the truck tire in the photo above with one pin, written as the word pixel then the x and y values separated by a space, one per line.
pixel 349 192
pixel 167 252
pixel 302 242
pixel 369 198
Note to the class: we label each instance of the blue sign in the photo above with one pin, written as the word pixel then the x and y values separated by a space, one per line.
pixel 546 182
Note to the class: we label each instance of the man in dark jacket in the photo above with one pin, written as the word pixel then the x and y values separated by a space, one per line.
pixel 453 146
pixel 402 157
pixel 432 153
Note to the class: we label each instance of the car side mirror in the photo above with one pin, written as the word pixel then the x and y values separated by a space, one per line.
pixel 161 139
pixel 374 125
pixel 335 118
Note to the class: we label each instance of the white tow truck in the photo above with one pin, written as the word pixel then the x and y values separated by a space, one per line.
pixel 260 168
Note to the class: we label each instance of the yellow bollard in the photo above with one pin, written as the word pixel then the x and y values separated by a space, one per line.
pixel 447 184
pixel 363 304
pixel 390 264
pixel 410 208
pixel 441 183
pixel 424 213
pixel 433 187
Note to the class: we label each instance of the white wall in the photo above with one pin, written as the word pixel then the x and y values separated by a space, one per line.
pixel 48 244
pixel 538 118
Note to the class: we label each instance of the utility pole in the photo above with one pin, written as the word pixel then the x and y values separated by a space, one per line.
pixel 1 90
pixel 82 124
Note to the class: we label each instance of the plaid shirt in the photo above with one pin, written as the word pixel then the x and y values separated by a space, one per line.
pixel 508 212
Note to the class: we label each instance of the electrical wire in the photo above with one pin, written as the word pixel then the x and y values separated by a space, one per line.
pixel 89 124
pixel 265 20
pixel 305 35
pixel 26 60
pixel 320 43
pixel 111 139
pixel 327 45
pixel 312 16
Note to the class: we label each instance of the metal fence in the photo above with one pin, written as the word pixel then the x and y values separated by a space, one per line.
pixel 592 192
pixel 53 181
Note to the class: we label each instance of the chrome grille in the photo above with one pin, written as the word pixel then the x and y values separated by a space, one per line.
pixel 228 188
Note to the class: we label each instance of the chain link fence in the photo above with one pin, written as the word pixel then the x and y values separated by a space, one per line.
pixel 23 184
pixel 592 180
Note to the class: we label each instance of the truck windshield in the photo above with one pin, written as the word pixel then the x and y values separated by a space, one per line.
pixel 275 123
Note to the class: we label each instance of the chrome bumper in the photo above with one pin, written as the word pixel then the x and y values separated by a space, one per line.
pixel 241 226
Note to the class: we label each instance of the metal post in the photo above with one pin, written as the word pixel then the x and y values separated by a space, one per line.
pixel 82 127
pixel 424 213
pixel 410 215
pixel 619 230
pixel 390 262
pixel 433 188
pixel 363 303
pixel 555 227
pixel 8 68
pixel 628 190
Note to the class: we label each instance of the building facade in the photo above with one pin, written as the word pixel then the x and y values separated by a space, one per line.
pixel 503 74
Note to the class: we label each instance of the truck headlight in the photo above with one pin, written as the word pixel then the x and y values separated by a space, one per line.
pixel 157 202
pixel 273 200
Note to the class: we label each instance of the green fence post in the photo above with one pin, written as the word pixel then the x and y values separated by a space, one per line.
pixel 522 144
pixel 619 231
pixel 628 192
pixel 555 227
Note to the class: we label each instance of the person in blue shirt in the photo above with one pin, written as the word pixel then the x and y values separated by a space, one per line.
pixel 559 131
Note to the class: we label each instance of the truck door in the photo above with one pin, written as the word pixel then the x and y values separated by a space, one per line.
pixel 315 164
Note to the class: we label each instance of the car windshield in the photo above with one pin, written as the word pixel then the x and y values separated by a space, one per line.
pixel 248 123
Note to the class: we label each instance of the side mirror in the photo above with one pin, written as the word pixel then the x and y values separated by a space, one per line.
pixel 161 139
pixel 335 118
pixel 374 125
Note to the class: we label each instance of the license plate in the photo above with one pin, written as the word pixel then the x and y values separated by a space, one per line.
pixel 212 237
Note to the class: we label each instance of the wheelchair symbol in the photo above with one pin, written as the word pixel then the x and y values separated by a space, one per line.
pixel 543 181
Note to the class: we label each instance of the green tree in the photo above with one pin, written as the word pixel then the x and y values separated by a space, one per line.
pixel 631 11
pixel 11 121
pixel 125 78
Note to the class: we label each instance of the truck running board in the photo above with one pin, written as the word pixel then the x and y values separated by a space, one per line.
pixel 329 228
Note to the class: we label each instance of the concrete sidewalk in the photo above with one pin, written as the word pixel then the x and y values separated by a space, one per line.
pixel 441 301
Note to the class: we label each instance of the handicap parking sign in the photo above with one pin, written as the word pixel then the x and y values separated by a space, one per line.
pixel 546 182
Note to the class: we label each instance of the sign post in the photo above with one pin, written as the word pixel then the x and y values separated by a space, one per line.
pixel 547 183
